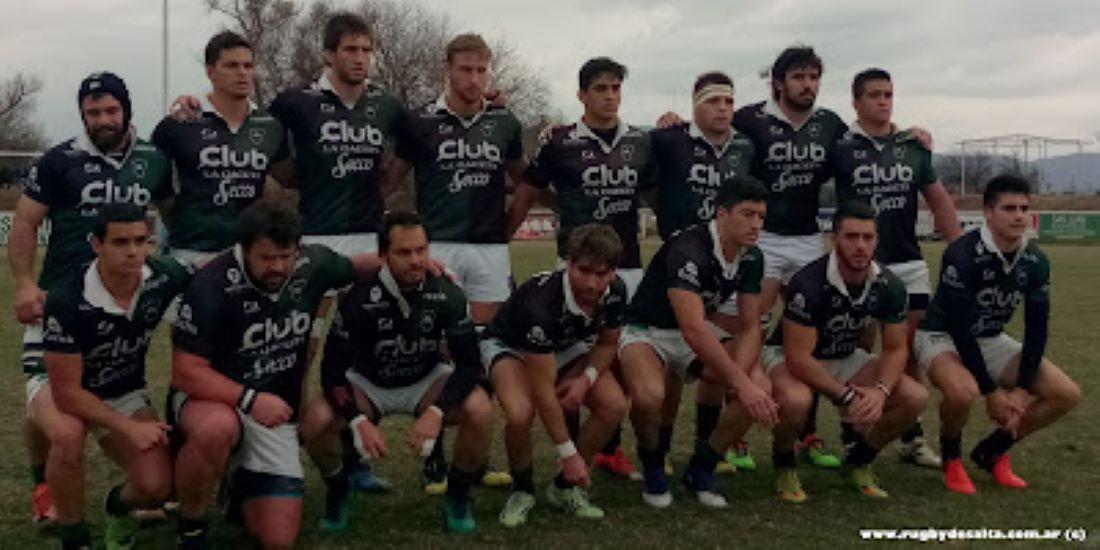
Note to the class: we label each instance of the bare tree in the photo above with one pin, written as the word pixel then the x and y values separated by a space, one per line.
pixel 17 101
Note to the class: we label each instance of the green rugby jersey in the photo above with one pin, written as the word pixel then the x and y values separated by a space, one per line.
pixel 74 179
pixel 221 172
pixel 886 173
pixel 791 161
pixel 460 169
pixel 338 154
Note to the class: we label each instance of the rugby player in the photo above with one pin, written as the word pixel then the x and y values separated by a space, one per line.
pixel 549 351
pixel 106 163
pixel 829 303
pixel 693 160
pixel 222 158
pixel 97 332
pixel 668 336
pixel 596 166
pixel 876 163
pixel 384 356
pixel 985 276
pixel 238 370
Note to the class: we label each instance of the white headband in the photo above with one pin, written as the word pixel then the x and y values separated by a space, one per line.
pixel 712 90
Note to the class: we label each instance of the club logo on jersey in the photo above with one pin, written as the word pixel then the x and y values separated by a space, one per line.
pixel 951 277
pixel 120 347
pixel 875 174
pixel 375 294
pixel 608 207
pixel 152 311
pixel 1021 278
pixel 369 111
pixel 604 176
pixel 797 306
pixel 537 337
pixel 883 203
pixel 234 275
pixel 296 288
pixel 256 135
pixel 92 168
pixel 297 323
pixel 460 149
pixel 814 130
pixel 994 298
pixel 789 180
pixel 899 152
pixel 227 190
pixel 487 128
pixel 427 323
pixel 627 152
pixel 222 156
pixel 340 131
pixel 689 272
pixel 98 193
pixel 785 151
pixel 140 167
pixel 705 175
pixel 464 179
pixel 837 302
pixel 847 322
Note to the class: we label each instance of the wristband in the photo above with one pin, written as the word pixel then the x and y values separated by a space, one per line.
pixel 246 400
pixel 356 439
pixel 882 387
pixel 426 447
pixel 567 449
pixel 591 374
pixel 436 410
pixel 845 398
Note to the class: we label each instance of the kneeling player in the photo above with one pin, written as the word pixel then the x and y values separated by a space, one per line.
pixel 98 328
pixel 690 277
pixel 828 304
pixel 540 356
pixel 384 355
pixel 984 277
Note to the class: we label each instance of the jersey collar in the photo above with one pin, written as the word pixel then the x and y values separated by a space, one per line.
pixel 325 84
pixel 238 255
pixel 96 293
pixel 772 108
pixel 695 133
pixel 390 284
pixel 583 130
pixel 440 106
pixel 880 143
pixel 208 107
pixel 987 239
pixel 832 275
pixel 84 143
pixel 729 269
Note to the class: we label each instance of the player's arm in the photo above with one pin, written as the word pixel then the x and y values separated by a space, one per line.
pixel 1036 322
pixel 894 353
pixel 397 169
pixel 959 305
pixel 799 341
pixel 22 251
pixel 522 201
pixel 541 370
pixel 943 210
pixel 604 351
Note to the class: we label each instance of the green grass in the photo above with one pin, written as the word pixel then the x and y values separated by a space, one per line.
pixel 1059 463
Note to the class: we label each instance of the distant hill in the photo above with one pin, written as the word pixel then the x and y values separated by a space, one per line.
pixel 1078 173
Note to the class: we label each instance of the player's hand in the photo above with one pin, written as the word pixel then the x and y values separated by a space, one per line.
pixel 145 435
pixel 30 302
pixel 186 108
pixel 575 471
pixel 761 407
pixel 425 429
pixel 439 269
pixel 572 391
pixel 866 407
pixel 669 119
pixel 496 97
pixel 270 410
pixel 923 136
pixel 367 438
pixel 1002 409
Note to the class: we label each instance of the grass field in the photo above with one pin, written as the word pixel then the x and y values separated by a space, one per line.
pixel 1060 465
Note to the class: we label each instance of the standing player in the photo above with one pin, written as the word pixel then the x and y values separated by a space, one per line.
pixel 689 278
pixel 829 303
pixel 384 356
pixel 549 351
pixel 693 160
pixel 877 164
pixel 104 164
pixel 98 328
pixel 222 158
pixel 984 277
pixel 238 368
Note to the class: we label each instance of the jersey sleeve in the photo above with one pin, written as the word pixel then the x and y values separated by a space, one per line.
pixel 684 266
pixel 179 275
pixel 407 144
pixel 514 150
pixel 197 326
pixel 894 304
pixel 615 304
pixel 1036 322
pixel 462 343
pixel 539 170
pixel 165 189
pixel 803 302
pixel 956 284
pixel 282 108
pixel 648 177
pixel 43 182
pixel 162 136
pixel 338 269
pixel 59 333
pixel 927 170
pixel 741 118
pixel 751 280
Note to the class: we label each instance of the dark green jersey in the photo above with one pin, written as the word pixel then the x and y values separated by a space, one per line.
pixel 338 154
pixel 460 169
pixel 690 170
pixel 596 181
pixel 817 297
pixel 791 161
pixel 251 336
pixel 221 172
pixel 692 260
pixel 83 318
pixel 74 179
pixel 886 173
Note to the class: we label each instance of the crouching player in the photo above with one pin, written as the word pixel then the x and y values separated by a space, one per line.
pixel 385 356
pixel 984 277
pixel 828 305
pixel 549 351
pixel 98 328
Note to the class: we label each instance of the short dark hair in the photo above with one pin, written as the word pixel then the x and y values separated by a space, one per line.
pixel 596 242
pixel 225 40
pixel 344 24
pixel 117 212
pixel 712 77
pixel 861 80
pixel 794 57
pixel 1004 184
pixel 740 189
pixel 270 218
pixel 468 43
pixel 397 218
pixel 597 66
pixel 853 210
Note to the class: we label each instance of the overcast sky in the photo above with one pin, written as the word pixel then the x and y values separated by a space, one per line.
pixel 961 69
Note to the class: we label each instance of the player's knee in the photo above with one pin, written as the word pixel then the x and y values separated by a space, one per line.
pixel 794 402
pixel 1066 395
pixel 66 436
pixel 215 432
pixel 648 398
pixel 960 395
pixel 317 420
pixel 152 487
pixel 477 410
pixel 611 405
pixel 276 538
pixel 911 396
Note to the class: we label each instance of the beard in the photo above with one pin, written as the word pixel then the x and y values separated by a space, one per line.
pixel 107 138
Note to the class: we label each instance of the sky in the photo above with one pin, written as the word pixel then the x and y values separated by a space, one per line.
pixel 961 69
